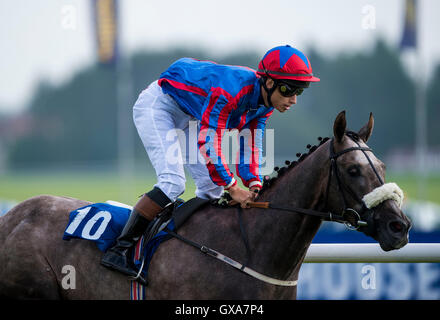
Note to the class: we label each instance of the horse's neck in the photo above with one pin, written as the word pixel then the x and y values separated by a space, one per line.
pixel 289 234
pixel 302 185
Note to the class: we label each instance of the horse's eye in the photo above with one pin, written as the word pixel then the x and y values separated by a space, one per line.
pixel 354 171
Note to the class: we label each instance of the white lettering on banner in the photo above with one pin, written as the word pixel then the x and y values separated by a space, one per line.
pixel 374 281
pixel 336 280
pixel 400 285
pixel 106 216
pixel 77 220
pixel 428 275
pixel 309 281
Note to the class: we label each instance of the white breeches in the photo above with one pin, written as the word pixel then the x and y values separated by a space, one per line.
pixel 170 138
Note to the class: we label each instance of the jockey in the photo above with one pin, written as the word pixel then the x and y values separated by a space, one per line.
pixel 215 98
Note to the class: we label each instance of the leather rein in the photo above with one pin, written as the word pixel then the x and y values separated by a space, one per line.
pixel 350 217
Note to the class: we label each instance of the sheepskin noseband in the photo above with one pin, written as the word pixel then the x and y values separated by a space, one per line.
pixel 382 193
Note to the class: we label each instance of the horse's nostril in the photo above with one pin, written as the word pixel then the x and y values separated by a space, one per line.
pixel 396 226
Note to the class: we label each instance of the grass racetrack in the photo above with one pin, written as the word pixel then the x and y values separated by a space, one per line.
pixel 99 187
pixel 94 187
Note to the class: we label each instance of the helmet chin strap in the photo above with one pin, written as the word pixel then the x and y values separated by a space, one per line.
pixel 268 91
pixel 263 83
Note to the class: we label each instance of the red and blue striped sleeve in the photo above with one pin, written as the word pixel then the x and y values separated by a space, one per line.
pixel 216 112
pixel 251 151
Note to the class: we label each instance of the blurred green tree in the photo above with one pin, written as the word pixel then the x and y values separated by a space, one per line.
pixel 76 121
pixel 433 110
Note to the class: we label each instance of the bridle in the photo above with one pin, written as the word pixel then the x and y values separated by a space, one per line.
pixel 349 216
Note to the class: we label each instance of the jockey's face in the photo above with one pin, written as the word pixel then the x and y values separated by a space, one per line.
pixel 279 102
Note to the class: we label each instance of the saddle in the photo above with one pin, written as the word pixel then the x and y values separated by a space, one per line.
pixel 179 212
pixel 103 222
pixel 183 210
pixel 171 218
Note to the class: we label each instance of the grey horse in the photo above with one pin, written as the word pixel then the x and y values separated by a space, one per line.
pixel 34 260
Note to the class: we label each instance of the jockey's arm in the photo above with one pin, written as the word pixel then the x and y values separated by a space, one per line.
pixel 249 171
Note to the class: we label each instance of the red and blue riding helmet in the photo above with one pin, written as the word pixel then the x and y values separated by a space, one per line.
pixel 285 64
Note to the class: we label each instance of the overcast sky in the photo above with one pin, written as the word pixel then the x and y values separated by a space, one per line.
pixel 37 43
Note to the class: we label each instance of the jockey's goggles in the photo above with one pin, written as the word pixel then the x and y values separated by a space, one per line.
pixel 287 90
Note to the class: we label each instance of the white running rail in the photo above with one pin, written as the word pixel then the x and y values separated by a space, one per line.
pixel 371 252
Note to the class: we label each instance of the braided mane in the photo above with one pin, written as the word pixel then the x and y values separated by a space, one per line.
pixel 269 181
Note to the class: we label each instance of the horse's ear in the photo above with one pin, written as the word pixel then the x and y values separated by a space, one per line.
pixel 365 132
pixel 339 126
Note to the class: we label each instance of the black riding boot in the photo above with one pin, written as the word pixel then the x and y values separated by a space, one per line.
pixel 117 257
pixel 145 210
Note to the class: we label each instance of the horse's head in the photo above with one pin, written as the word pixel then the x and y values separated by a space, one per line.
pixel 357 186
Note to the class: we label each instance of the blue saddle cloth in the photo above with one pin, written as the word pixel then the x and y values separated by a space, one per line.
pixel 103 223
